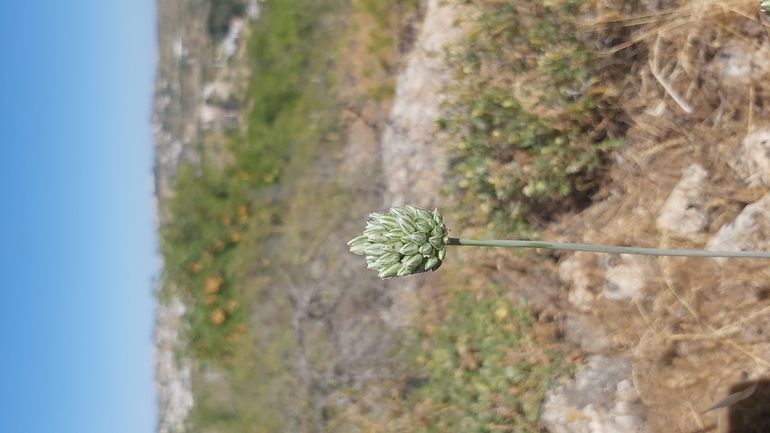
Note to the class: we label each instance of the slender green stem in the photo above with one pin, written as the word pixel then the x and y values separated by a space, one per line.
pixel 609 249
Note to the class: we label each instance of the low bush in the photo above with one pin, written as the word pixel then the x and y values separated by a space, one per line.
pixel 530 116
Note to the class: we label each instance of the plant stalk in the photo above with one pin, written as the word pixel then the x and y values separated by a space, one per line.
pixel 609 249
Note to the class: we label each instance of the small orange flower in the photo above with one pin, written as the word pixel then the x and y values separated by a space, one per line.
pixel 211 285
pixel 218 316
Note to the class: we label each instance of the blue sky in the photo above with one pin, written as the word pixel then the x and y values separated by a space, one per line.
pixel 77 245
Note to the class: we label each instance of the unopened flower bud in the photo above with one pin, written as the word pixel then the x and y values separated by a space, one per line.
pixel 403 241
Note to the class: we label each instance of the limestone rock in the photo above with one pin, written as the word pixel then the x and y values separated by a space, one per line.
pixel 579 271
pixel 599 399
pixel 626 279
pixel 413 163
pixel 586 332
pixel 173 375
pixel 749 231
pixel 737 65
pixel 752 161
pixel 683 212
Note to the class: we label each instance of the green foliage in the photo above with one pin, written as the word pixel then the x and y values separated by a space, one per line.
pixel 380 10
pixel 244 399
pixel 385 39
pixel 479 367
pixel 220 14
pixel 215 209
pixel 287 55
pixel 485 370
pixel 527 115
pixel 198 245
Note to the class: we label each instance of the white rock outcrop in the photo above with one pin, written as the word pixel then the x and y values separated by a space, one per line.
pixel 413 161
pixel 625 280
pixel 750 230
pixel 683 214
pixel 600 399
pixel 752 161
pixel 172 374
pixel 579 271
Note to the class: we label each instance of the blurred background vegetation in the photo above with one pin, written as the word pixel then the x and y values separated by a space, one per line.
pixel 531 119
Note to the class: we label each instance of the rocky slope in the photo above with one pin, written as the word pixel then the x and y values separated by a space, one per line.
pixel 663 339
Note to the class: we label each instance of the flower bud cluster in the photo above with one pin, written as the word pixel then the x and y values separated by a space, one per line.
pixel 403 241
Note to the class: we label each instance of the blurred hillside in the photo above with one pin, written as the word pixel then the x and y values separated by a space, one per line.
pixel 197 79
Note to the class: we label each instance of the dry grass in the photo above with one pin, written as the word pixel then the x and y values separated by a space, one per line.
pixel 699 87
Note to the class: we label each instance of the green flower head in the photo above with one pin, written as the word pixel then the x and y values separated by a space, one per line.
pixel 403 241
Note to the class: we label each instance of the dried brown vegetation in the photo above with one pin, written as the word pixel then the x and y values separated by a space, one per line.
pixel 698 87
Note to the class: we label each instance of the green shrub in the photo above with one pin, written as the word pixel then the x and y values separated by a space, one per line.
pixel 473 362
pixel 198 244
pixel 482 367
pixel 526 117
